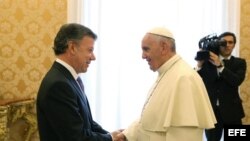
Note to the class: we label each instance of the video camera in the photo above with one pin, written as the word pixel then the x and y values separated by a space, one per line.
pixel 209 43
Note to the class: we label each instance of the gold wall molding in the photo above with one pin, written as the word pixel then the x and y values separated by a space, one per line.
pixel 245 53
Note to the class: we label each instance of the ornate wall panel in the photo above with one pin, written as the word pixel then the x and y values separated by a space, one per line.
pixel 27 30
pixel 245 53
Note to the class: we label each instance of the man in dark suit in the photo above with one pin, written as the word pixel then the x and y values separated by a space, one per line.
pixel 222 75
pixel 63 110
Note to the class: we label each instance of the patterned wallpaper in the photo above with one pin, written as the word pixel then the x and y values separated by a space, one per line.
pixel 27 30
pixel 245 53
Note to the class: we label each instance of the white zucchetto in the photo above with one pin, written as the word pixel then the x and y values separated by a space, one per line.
pixel 162 31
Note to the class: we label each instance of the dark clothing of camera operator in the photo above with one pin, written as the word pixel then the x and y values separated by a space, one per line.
pixel 222 80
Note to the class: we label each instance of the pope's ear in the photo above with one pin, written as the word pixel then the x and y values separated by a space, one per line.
pixel 165 46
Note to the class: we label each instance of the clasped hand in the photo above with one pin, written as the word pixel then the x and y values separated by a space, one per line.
pixel 118 135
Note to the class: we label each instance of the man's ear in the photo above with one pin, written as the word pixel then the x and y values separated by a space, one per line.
pixel 71 47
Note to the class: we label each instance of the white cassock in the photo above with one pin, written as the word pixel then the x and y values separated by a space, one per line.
pixel 177 109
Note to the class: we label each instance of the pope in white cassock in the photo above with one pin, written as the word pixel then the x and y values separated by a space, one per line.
pixel 177 107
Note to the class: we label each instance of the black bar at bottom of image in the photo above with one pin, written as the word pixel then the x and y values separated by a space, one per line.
pixel 236 132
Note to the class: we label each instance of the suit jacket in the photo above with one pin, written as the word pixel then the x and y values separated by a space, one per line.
pixel 224 87
pixel 63 111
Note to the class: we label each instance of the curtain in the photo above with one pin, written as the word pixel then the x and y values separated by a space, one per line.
pixel 118 81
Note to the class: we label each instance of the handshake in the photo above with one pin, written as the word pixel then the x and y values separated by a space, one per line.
pixel 118 135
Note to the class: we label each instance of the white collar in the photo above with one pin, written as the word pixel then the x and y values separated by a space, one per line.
pixel 68 67
pixel 222 58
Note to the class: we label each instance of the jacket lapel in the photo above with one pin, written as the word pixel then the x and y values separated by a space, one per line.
pixel 72 81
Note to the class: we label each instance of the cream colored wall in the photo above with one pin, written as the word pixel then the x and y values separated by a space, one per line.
pixel 245 53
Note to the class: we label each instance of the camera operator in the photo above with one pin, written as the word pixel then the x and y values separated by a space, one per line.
pixel 222 80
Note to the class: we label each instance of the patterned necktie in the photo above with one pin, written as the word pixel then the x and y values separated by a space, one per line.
pixel 79 80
